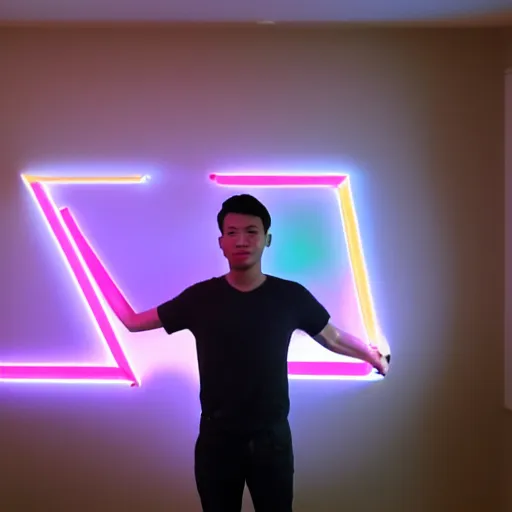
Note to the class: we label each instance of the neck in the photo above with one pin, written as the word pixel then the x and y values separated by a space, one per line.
pixel 246 279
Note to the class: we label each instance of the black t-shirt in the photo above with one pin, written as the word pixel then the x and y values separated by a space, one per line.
pixel 242 341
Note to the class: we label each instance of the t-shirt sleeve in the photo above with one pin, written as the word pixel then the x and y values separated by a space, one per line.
pixel 312 315
pixel 176 314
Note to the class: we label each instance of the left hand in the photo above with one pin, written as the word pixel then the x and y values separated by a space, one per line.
pixel 378 361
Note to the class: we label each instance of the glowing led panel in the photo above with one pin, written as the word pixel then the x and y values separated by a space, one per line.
pixel 340 183
pixel 122 372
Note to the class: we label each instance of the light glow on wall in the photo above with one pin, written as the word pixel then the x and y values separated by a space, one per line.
pixel 340 183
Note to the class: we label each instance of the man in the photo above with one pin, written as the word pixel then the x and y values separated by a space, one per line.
pixel 242 323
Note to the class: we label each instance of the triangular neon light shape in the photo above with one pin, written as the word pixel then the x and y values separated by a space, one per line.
pixel 122 372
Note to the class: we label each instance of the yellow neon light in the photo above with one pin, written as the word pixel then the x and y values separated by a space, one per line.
pixel 29 178
pixel 356 256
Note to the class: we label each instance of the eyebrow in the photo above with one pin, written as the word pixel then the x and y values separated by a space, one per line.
pixel 245 227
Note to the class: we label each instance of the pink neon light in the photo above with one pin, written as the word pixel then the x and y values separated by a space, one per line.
pixel 72 372
pixel 63 373
pixel 329 368
pixel 279 180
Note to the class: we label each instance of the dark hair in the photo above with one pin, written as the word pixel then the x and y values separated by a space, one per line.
pixel 244 204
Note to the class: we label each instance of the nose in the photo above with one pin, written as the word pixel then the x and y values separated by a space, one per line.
pixel 241 240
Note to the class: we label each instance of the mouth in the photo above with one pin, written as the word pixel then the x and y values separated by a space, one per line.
pixel 242 254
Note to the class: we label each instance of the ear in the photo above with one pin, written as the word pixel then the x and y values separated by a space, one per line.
pixel 269 240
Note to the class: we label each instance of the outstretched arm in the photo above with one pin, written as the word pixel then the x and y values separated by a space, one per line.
pixel 346 344
pixel 315 321
pixel 172 315
pixel 133 321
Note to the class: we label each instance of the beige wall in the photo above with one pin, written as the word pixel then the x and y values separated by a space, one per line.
pixel 418 113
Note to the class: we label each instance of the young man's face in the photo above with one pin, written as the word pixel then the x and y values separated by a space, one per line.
pixel 243 240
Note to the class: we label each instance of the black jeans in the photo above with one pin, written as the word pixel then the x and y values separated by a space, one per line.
pixel 226 459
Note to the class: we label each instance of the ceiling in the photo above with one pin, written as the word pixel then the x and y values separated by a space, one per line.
pixel 475 12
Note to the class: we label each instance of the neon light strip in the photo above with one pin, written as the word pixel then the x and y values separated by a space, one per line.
pixel 341 183
pixel 122 373
pixel 84 180
pixel 279 180
pixel 357 262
